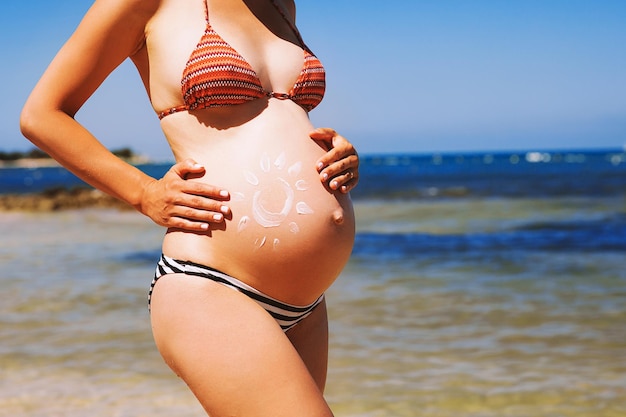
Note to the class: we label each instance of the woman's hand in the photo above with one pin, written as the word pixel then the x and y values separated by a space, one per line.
pixel 339 167
pixel 175 202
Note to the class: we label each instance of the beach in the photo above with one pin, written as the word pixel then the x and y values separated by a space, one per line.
pixel 462 298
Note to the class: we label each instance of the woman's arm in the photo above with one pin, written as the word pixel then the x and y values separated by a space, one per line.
pixel 110 32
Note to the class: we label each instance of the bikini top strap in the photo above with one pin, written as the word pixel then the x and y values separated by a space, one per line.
pixel 206 11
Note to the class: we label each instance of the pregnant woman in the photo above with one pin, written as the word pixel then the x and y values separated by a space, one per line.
pixel 258 215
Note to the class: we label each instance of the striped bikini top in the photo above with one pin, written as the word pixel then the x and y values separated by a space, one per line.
pixel 217 75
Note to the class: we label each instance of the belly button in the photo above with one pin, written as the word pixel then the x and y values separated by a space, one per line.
pixel 338 216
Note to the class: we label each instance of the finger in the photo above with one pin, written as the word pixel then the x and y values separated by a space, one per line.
pixel 178 217
pixel 344 182
pixel 345 188
pixel 191 219
pixel 341 166
pixel 182 223
pixel 214 215
pixel 200 207
pixel 193 201
pixel 204 190
pixel 187 168
pixel 323 133
pixel 341 149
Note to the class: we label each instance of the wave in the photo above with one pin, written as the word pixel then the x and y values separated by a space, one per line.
pixel 531 174
pixel 598 235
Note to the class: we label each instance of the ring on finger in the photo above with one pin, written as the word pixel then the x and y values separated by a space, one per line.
pixel 350 174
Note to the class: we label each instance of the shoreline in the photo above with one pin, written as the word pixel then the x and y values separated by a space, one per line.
pixel 58 199
pixel 30 163
pixel 33 163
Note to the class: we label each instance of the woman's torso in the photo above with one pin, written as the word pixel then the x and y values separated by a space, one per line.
pixel 289 236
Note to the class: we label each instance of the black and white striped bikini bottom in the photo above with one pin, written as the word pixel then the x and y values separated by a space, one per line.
pixel 286 315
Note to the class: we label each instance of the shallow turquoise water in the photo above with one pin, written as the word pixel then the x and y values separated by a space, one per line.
pixel 485 329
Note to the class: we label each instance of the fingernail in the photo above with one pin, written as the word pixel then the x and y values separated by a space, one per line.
pixel 324 176
pixel 334 185
pixel 204 226
pixel 320 165
pixel 224 209
pixel 197 166
pixel 223 193
pixel 217 217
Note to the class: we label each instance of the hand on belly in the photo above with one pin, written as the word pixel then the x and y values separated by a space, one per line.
pixel 289 235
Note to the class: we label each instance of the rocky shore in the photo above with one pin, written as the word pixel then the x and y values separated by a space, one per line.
pixel 60 199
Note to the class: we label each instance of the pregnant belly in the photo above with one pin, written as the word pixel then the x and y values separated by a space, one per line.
pixel 289 236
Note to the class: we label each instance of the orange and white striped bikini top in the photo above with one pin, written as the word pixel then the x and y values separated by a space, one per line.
pixel 217 75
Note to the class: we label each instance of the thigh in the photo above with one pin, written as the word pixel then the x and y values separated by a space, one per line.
pixel 310 338
pixel 230 352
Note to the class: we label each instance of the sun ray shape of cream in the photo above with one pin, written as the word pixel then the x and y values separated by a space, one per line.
pixel 268 218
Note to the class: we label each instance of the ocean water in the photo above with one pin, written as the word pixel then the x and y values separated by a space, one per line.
pixel 480 285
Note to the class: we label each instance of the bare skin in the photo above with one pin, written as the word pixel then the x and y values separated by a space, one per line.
pixel 233 165
pixel 254 370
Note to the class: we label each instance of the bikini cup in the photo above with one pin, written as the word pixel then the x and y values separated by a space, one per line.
pixel 217 75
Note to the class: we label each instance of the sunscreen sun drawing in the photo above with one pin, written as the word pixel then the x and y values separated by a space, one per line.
pixel 275 198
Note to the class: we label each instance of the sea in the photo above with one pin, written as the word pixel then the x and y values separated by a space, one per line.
pixel 480 285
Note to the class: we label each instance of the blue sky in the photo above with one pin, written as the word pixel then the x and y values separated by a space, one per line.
pixel 403 76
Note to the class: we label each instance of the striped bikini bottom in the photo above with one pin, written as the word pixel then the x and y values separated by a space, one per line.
pixel 286 315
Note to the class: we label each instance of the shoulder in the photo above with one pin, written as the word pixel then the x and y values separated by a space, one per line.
pixel 127 14
pixel 122 22
pixel 125 10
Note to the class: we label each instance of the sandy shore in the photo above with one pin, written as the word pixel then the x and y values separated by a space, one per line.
pixel 29 163
pixel 60 199
pixel 49 162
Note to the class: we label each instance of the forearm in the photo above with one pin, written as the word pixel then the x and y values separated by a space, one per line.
pixel 74 147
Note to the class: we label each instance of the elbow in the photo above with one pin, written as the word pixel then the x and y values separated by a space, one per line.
pixel 36 121
pixel 29 122
pixel 26 124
